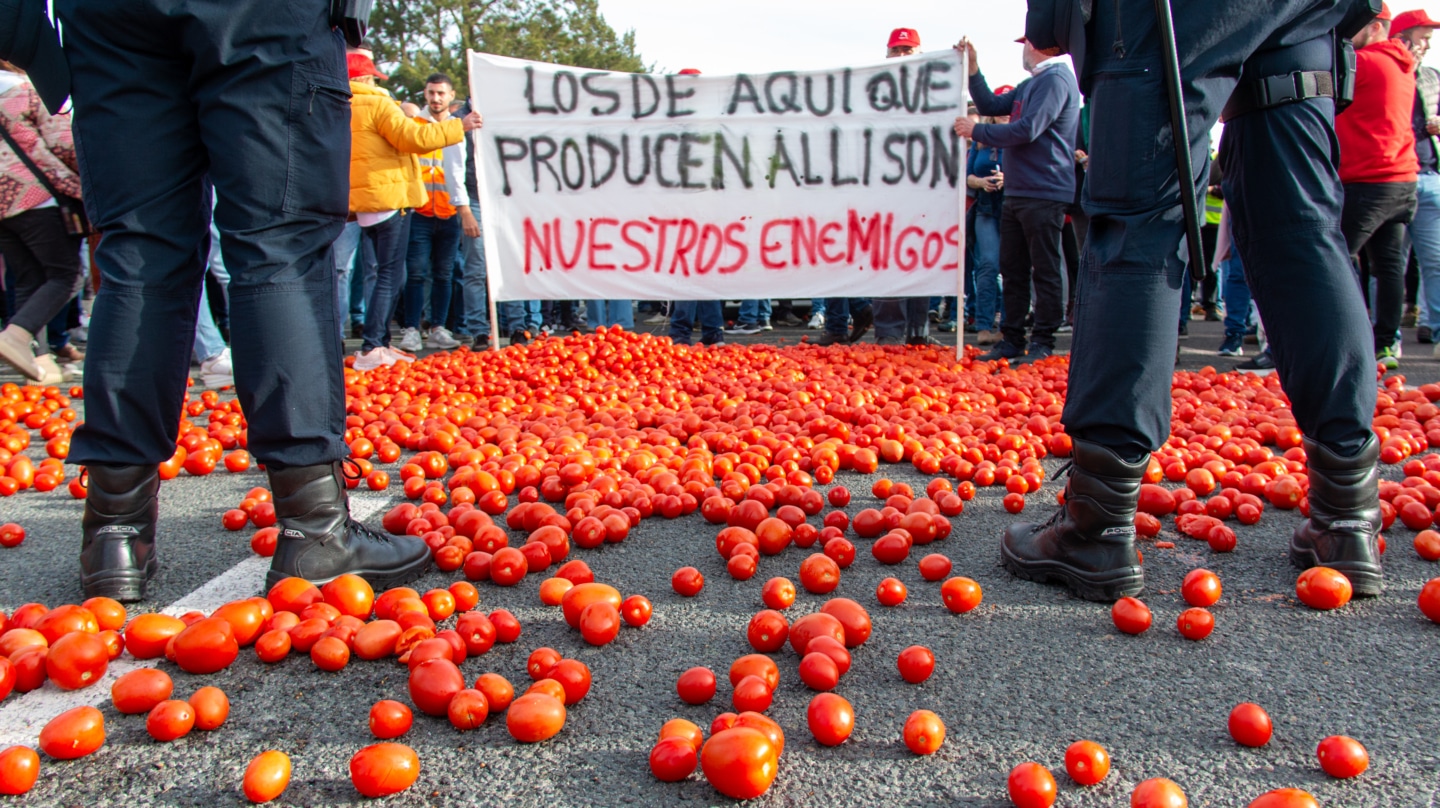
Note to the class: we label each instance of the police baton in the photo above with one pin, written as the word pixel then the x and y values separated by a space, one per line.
pixel 1181 131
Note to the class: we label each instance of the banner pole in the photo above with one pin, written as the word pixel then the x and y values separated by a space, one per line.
pixel 480 185
pixel 963 174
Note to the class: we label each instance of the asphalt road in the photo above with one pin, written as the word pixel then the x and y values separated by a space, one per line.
pixel 1021 677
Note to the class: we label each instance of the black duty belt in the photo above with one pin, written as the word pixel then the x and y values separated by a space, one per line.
pixel 1272 91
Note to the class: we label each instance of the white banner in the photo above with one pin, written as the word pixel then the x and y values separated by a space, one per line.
pixel 830 183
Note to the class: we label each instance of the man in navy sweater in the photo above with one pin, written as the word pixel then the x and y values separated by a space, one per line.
pixel 1039 144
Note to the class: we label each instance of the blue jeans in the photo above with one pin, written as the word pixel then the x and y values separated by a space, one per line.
pixel 389 239
pixel 897 318
pixel 610 312
pixel 430 261
pixel 1425 236
pixel 838 311
pixel 753 311
pixel 208 342
pixel 988 301
pixel 519 315
pixel 345 247
pixel 475 295
pixel 1236 293
pixel 712 321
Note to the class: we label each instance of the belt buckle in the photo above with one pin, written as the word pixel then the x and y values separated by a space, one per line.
pixel 1280 89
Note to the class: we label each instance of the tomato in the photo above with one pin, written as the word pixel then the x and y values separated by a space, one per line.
pixel 351 594
pixel 960 595
pixel 19 769
pixel 810 626
pixel 1250 725
pixel 293 595
pixel 63 620
pixel 581 596
pixel 390 719
pixel 831 719
pixel 534 717
pixel 140 690
pixel 819 574
pixel 433 683
pixel 1427 544
pixel 600 623
pixel 818 671
pixel 923 733
pixel 1430 599
pixel 916 663
pixel 170 720
pixel 1201 588
pixel 1087 762
pixel 11 535
pixel 853 618
pixel 1342 757
pixel 890 592
pixel 1323 588
pixel 507 628
pixel 767 631
pixel 330 654
pixel 687 582
pixel 1158 792
pixel 267 776
pixel 234 519
pixel 636 610
pixel 752 693
pixel 1285 798
pixel 147 634
pixel 508 566
pixel 1131 616
pixel 740 762
pixel 1195 623
pixel 1031 786
pixel 498 691
pixel 264 541
pixel 552 590
pixel 934 567
pixel 384 768
pixel 77 660
pixel 468 710
pixel 206 646
pixel 839 496
pixel 673 759
pixel 73 733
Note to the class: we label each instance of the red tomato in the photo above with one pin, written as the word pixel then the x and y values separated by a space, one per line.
pixel 267 776
pixel 934 567
pixel 600 623
pixel 73 733
pixel 831 718
pixel 535 717
pixel 890 592
pixel 1130 616
pixel 1430 599
pixel 960 594
pixel 819 574
pixel 1087 762
pixel 1427 544
pixel 778 593
pixel 170 720
pixel 818 671
pixel 1285 798
pixel 1158 792
pixel 1195 623
pixel 916 663
pixel 468 710
pixel 384 768
pixel 498 692
pixel 673 759
pixel 1201 588
pixel 767 631
pixel 19 769
pixel 77 660
pixel 740 762
pixel 687 581
pixel 810 626
pixel 924 732
pixel 140 690
pixel 696 685
pixel 1250 725
pixel 1031 786
pixel 389 719
pixel 853 618
pixel 433 683
pixel 1342 756
pixel 753 694
pixel 11 535
pixel 1323 588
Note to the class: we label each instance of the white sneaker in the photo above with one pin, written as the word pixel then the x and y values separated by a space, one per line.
pixel 396 356
pixel 657 318
pixel 817 322
pixel 217 371
pixel 410 340
pixel 441 338
pixel 376 358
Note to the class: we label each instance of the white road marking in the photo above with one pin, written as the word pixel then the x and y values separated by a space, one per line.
pixel 22 716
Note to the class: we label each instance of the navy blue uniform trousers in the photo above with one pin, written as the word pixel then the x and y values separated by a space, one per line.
pixel 173 98
pixel 1284 193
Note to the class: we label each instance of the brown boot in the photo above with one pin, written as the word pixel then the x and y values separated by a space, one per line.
pixel 987 338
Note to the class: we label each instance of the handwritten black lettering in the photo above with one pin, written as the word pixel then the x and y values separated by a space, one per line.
pixel 600 92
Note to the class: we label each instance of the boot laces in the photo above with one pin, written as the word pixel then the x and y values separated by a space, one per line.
pixel 351 470
pixel 355 528
pixel 1060 509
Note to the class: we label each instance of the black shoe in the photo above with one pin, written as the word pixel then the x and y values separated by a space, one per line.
pixel 481 343
pixel 1344 517
pixel 786 319
pixel 320 542
pixel 923 341
pixel 1088 544
pixel 357 331
pixel 117 548
pixel 1424 336
pixel 1262 363
pixel 860 323
pixel 1034 354
pixel 831 339
pixel 519 337
pixel 1184 330
pixel 1002 350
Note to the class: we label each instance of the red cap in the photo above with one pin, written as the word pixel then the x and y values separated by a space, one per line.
pixel 904 37
pixel 361 65
pixel 1406 20
pixel 1003 89
pixel 1384 13
pixel 690 71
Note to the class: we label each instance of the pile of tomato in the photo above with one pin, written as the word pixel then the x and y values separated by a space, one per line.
pixel 568 444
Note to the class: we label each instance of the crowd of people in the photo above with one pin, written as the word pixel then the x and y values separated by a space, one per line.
pixel 413 255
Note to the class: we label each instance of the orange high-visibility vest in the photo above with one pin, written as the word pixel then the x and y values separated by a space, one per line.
pixel 432 174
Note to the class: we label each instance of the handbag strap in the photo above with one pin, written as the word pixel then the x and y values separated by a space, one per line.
pixel 30 164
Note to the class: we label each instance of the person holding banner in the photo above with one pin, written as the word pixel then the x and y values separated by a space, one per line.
pixel 1283 192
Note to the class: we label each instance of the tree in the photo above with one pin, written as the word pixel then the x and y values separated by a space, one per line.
pixel 415 38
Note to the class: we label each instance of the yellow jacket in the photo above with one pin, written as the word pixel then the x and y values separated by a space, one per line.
pixel 384 168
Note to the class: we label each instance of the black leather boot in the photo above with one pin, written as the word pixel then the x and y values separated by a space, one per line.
pixel 320 542
pixel 117 548
pixel 1344 522
pixel 1089 543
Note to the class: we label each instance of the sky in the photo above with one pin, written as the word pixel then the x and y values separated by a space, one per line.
pixel 755 36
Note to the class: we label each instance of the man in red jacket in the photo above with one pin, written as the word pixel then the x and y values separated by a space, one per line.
pixel 1378 169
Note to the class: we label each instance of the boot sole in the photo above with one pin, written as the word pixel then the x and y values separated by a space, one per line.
pixel 379 580
pixel 124 585
pixel 1366 580
pixel 1105 587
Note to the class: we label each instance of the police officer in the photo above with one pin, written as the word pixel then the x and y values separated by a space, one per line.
pixel 1280 180
pixel 248 99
